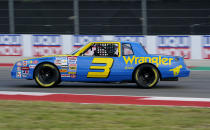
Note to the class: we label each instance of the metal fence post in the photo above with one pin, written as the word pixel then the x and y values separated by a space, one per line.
pixel 76 17
pixel 144 16
pixel 11 17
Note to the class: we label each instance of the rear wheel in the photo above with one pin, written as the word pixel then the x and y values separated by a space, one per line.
pixel 46 75
pixel 146 76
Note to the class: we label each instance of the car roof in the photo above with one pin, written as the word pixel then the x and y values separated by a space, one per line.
pixel 120 42
pixel 132 43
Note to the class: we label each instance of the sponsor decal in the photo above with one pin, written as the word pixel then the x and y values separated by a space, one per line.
pixel 176 70
pixel 11 45
pixel 72 62
pixel 72 59
pixel 46 45
pixel 205 47
pixel 18 68
pixel 174 45
pixel 65 75
pixel 24 63
pixel 61 58
pixel 24 68
pixel 129 68
pixel 154 60
pixel 24 75
pixel 32 66
pixel 73 75
pixel 30 61
pixel 72 65
pixel 57 62
pixel 69 75
pixel 72 68
pixel 61 61
pixel 72 72
pixel 25 71
pixel 18 74
pixel 64 66
pixel 19 63
pixel 35 62
pixel 63 70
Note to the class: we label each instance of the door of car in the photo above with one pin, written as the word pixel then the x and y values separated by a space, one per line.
pixel 100 62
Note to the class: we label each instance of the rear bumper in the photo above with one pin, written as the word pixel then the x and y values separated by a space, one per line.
pixel 19 72
pixel 13 75
pixel 183 72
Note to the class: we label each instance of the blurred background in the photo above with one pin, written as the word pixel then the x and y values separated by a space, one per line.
pixel 31 28
pixel 107 17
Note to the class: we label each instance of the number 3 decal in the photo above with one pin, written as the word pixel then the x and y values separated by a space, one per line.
pixel 106 68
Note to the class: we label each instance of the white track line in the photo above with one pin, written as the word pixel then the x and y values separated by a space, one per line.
pixel 178 99
pixel 24 93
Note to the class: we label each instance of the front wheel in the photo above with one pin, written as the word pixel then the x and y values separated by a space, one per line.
pixel 146 76
pixel 46 75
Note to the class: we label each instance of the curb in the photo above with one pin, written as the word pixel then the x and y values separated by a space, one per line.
pixel 105 99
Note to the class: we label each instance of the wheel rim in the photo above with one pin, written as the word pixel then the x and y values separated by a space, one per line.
pixel 147 76
pixel 46 75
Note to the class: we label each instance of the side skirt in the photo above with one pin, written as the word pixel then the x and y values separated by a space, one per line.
pixel 170 79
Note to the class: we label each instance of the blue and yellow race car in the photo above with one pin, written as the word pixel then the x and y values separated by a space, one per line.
pixel 103 62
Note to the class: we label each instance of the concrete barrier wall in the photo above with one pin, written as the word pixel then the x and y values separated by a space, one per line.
pixel 25 45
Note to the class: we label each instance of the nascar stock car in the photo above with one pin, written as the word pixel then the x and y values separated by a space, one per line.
pixel 103 62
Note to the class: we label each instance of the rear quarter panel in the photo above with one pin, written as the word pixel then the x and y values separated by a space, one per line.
pixel 24 69
pixel 167 65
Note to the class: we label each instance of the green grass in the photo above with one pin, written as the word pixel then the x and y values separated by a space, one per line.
pixel 25 115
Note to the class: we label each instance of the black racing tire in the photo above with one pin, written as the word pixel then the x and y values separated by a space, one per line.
pixel 46 75
pixel 146 76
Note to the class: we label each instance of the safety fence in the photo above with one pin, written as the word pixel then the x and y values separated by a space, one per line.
pixel 29 45
pixel 105 17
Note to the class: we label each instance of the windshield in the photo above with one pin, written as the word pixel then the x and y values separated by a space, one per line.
pixel 75 51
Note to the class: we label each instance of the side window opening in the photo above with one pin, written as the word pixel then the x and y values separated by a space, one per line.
pixel 102 49
pixel 127 49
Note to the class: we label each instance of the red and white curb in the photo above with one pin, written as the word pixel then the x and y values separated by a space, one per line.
pixel 105 99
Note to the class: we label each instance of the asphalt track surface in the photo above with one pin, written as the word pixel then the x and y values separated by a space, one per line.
pixel 197 85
